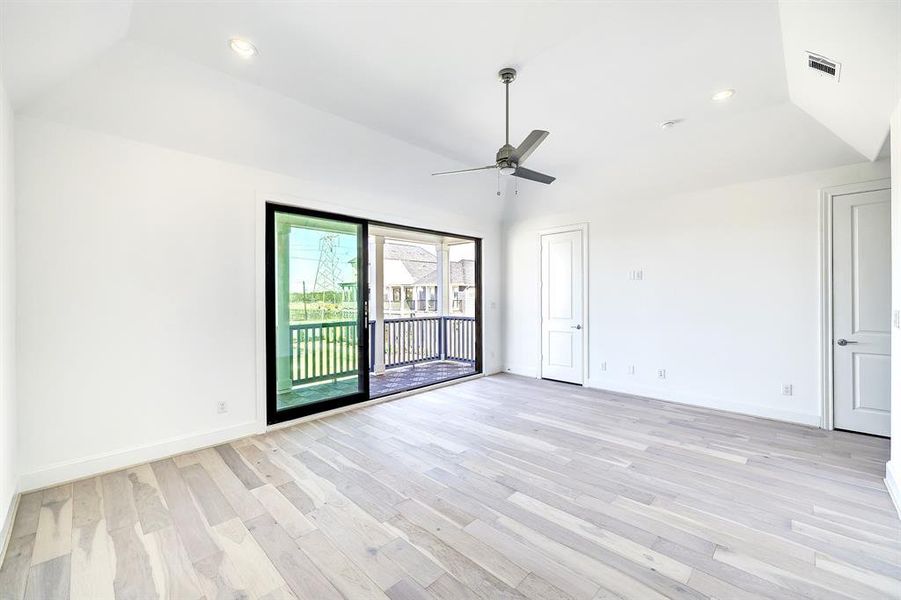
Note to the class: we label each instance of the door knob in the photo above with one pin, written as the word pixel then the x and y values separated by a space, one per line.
pixel 844 342
pixel 576 326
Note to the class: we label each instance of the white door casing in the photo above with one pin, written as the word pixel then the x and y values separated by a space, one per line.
pixel 861 311
pixel 562 306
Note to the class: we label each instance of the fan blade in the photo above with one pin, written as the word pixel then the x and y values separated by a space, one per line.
pixel 533 175
pixel 465 170
pixel 528 146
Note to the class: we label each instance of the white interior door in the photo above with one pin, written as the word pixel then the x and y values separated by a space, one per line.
pixel 561 306
pixel 861 276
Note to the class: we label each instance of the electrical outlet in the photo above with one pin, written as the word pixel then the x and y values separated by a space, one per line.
pixel 604 366
pixel 786 389
pixel 221 407
pixel 631 370
pixel 661 373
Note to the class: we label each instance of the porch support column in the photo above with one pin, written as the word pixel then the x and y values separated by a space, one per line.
pixel 378 302
pixel 443 279
pixel 283 308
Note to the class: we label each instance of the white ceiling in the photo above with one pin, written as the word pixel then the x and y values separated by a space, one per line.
pixel 598 76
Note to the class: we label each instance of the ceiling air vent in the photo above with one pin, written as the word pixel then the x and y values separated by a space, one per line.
pixel 823 66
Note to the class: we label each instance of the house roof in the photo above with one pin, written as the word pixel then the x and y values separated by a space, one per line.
pixel 407 264
pixel 462 272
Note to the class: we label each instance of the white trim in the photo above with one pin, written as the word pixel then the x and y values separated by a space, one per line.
pixel 583 228
pixel 71 470
pixel 827 195
pixel 707 402
pixel 893 485
pixel 7 530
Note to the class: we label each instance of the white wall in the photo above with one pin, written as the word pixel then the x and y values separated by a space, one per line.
pixel 139 286
pixel 729 301
pixel 893 468
pixel 8 436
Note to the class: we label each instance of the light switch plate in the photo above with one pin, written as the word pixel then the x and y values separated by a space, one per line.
pixel 896 318
pixel 786 389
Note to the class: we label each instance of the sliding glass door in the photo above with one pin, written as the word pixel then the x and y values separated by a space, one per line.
pixel 316 312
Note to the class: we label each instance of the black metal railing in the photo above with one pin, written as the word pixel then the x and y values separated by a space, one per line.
pixel 322 351
pixel 411 341
pixel 460 338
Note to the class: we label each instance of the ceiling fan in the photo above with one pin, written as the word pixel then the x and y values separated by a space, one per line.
pixel 510 159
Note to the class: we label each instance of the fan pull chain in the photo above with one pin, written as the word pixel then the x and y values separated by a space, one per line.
pixel 498 182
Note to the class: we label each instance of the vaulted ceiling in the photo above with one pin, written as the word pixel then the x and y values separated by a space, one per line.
pixel 599 76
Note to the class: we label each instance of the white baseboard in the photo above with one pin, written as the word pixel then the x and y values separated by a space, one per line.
pixel 893 483
pixel 7 530
pixel 90 466
pixel 525 371
pixel 691 399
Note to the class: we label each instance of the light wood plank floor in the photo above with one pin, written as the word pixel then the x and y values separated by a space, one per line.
pixel 502 487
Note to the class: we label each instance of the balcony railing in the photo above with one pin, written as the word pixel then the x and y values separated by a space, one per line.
pixel 321 351
pixel 423 339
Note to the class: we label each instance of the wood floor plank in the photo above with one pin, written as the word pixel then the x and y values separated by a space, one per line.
pixel 419 567
pixel 49 580
pixel 16 564
pixel 149 504
pixel 92 560
pixel 28 514
pixel 173 573
pixel 503 487
pixel 219 578
pixel 301 575
pixel 244 503
pixel 263 466
pixel 133 572
pixel 54 534
pixel 184 512
pixel 347 578
pixel 407 590
pixel 285 514
pixel 118 501
pixel 213 504
pixel 239 467
pixel 257 571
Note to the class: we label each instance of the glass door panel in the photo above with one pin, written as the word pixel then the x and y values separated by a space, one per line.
pixel 316 313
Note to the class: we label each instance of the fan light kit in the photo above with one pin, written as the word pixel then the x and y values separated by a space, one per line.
pixel 242 48
pixel 722 95
pixel 509 159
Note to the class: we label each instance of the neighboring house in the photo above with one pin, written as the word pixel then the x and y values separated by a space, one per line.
pixel 411 283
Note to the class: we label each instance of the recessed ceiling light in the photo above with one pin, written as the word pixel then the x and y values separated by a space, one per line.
pixel 722 95
pixel 242 48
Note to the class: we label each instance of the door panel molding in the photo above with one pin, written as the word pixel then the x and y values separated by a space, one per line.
pixel 586 319
pixel 827 366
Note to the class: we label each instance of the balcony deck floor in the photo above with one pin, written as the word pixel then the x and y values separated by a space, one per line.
pixel 416 376
pixel 391 382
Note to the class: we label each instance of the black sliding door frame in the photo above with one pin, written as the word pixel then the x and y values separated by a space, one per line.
pixel 478 280
pixel 273 415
